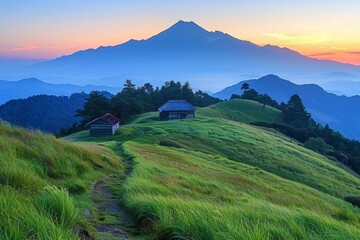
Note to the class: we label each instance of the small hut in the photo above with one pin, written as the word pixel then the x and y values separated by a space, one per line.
pixel 176 109
pixel 104 126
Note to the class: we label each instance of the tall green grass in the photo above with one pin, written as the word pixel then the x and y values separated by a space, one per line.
pixel 254 146
pixel 189 195
pixel 44 183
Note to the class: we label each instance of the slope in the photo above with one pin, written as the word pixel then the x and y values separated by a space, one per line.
pixel 242 111
pixel 326 108
pixel 44 184
pixel 213 178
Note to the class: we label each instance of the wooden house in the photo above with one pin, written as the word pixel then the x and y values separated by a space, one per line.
pixel 104 126
pixel 176 109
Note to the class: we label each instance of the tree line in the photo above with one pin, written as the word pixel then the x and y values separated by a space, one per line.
pixel 298 124
pixel 133 100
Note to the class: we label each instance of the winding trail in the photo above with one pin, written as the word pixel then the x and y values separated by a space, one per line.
pixel 113 220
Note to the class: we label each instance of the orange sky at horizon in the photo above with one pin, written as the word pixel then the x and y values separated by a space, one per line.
pixel 325 29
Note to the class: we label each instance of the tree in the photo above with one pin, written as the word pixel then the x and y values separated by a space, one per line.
pixel 250 94
pixel 148 88
pixel 295 113
pixel 129 87
pixel 187 93
pixel 171 90
pixel 266 100
pixel 95 106
pixel 245 87
pixel 203 99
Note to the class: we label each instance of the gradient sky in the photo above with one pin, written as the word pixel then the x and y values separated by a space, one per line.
pixel 325 29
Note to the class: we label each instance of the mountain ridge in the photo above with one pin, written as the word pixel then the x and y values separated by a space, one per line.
pixel 32 86
pixel 185 52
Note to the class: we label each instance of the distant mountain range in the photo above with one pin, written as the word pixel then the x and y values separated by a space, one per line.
pixel 184 52
pixel 28 87
pixel 347 88
pixel 340 112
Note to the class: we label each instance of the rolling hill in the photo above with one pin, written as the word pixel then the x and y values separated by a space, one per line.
pixel 185 52
pixel 216 178
pixel 326 108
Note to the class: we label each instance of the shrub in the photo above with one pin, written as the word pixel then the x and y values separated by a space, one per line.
pixel 354 200
pixel 318 145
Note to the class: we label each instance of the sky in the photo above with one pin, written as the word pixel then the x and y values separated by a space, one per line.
pixel 323 29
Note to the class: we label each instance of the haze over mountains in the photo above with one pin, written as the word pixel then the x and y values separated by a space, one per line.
pixel 184 52
pixel 340 112
pixel 28 87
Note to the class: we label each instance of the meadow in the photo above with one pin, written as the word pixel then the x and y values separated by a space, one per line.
pixel 216 177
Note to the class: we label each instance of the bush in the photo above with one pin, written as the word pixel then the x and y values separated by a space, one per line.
pixel 354 200
pixel 318 145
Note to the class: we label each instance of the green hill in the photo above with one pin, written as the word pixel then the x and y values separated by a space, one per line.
pixel 44 184
pixel 215 178
pixel 241 110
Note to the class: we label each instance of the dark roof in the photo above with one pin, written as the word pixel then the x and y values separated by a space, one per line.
pixel 111 119
pixel 177 105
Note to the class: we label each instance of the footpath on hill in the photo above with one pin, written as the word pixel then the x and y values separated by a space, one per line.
pixel 114 221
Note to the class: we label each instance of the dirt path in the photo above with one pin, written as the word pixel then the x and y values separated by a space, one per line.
pixel 113 221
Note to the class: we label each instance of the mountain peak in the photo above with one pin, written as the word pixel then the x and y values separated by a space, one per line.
pixel 270 76
pixel 30 81
pixel 181 30
pixel 184 25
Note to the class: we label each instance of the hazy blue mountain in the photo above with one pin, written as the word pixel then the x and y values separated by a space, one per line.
pixel 340 112
pixel 7 64
pixel 347 88
pixel 32 86
pixel 184 52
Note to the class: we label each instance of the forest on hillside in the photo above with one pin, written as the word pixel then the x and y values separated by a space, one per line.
pixel 300 126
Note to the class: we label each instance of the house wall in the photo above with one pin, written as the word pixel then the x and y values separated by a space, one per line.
pixel 171 115
pixel 115 127
pixel 100 130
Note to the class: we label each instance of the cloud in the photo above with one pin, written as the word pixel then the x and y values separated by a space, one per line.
pixel 20 48
pixel 324 54
pixel 334 48
pixel 298 39
pixel 354 52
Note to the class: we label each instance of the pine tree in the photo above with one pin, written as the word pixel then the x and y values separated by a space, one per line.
pixel 295 113
pixel 187 93
pixel 95 106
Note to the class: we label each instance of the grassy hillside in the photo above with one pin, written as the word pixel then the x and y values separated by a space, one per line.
pixel 44 183
pixel 213 178
pixel 199 196
pixel 241 110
